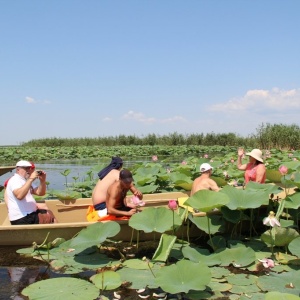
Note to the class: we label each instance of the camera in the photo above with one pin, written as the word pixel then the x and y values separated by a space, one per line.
pixel 39 172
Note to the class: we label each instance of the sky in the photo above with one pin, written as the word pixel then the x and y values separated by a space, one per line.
pixel 102 68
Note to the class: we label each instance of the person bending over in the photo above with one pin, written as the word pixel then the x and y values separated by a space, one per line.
pixel 116 201
pixel 107 176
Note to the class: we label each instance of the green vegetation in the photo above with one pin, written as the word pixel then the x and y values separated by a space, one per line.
pixel 267 136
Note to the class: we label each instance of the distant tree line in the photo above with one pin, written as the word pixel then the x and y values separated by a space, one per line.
pixel 267 136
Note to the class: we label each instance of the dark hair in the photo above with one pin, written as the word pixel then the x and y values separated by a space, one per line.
pixel 126 176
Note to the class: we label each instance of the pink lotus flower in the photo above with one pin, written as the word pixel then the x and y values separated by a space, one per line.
pixel 283 170
pixel 154 158
pixel 232 161
pixel 205 156
pixel 172 204
pixel 184 162
pixel 271 220
pixel 267 263
pixel 136 201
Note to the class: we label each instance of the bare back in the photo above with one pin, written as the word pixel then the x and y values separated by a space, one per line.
pixel 100 191
pixel 203 182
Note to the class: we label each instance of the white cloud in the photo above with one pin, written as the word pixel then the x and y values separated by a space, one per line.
pixel 140 117
pixel 30 100
pixel 107 119
pixel 260 100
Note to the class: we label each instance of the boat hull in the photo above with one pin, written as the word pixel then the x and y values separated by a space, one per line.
pixel 71 217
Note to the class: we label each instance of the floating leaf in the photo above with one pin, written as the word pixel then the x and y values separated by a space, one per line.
pixel 61 288
pixel 183 276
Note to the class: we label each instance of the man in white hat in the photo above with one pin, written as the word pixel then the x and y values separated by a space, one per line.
pixel 204 182
pixel 22 207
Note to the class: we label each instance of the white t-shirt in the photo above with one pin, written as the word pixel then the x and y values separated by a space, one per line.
pixel 18 209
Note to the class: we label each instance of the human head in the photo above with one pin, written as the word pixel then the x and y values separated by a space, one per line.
pixel 256 154
pixel 205 167
pixel 23 168
pixel 126 176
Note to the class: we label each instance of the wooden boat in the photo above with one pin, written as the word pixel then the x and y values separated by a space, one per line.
pixel 71 217
pixel 6 169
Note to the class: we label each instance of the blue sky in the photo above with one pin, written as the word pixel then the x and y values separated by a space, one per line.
pixel 97 68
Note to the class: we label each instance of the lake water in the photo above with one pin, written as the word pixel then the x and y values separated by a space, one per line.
pixel 79 169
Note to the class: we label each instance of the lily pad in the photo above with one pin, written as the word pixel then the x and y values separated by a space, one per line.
pixel 283 236
pixel 294 246
pixel 155 219
pixel 61 288
pixel 183 277
pixel 107 280
pixel 206 201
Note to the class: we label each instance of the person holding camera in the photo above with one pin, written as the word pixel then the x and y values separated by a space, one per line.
pixel 22 207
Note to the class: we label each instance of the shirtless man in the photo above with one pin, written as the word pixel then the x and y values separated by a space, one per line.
pixel 204 182
pixel 116 201
pixel 107 177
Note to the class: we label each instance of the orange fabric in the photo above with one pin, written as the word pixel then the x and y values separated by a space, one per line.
pixel 92 216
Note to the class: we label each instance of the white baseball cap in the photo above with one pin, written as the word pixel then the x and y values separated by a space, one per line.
pixel 205 167
pixel 23 163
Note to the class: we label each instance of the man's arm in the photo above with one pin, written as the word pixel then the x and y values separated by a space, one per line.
pixel 21 192
pixel 112 200
pixel 136 192
pixel 213 185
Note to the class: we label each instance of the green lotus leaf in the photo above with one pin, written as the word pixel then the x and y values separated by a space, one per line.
pixel 243 199
pixel 137 264
pixel 294 246
pixel 241 279
pixel 79 263
pixel 273 175
pixel 280 296
pixel 201 256
pixel 293 201
pixel 205 200
pixel 286 282
pixel 155 219
pixel 66 195
pixel 283 236
pixel 183 276
pixel 210 224
pixel 164 248
pixel 94 234
pixel 240 256
pixel 140 279
pixel 61 288
pixel 219 180
pixel 107 280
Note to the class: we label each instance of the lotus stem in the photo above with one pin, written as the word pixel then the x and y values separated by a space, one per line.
pixel 211 241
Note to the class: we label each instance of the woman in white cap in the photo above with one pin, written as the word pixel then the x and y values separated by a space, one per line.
pixel 255 169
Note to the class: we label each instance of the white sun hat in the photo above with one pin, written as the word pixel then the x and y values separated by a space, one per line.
pixel 23 163
pixel 205 167
pixel 257 154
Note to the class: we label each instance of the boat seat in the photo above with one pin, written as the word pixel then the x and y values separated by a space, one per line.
pixel 4 220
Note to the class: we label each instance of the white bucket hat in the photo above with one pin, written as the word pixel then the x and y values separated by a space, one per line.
pixel 205 167
pixel 257 154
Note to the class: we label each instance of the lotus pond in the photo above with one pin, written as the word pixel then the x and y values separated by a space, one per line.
pixel 248 246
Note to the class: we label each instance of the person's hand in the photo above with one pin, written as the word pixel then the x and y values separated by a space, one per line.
pixel 138 194
pixel 40 174
pixel 241 152
pixel 131 212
